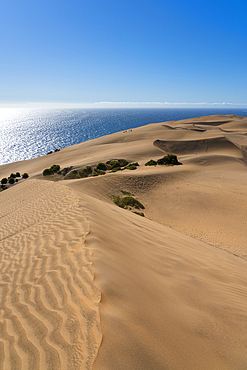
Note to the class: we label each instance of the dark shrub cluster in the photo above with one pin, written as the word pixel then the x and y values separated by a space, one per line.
pixel 72 175
pixel 50 171
pixel 139 213
pixel 151 163
pixel 127 201
pixel 169 160
pixel 11 179
pixel 131 166
pixel 76 174
pixel 86 171
pixel 101 166
pixel 56 150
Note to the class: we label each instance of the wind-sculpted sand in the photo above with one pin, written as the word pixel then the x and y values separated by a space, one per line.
pixel 88 285
pixel 49 315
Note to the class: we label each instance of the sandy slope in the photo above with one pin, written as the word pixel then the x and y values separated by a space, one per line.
pixel 168 301
pixel 49 315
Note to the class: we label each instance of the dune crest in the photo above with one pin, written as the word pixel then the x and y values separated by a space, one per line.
pixel 49 315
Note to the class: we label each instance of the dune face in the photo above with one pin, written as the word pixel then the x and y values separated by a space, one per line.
pixel 88 285
pixel 49 315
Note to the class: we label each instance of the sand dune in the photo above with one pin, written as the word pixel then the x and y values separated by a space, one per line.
pixel 85 284
pixel 49 303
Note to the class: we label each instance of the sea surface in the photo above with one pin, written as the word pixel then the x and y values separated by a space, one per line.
pixel 29 133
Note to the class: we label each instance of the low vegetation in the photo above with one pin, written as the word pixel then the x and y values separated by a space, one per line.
pixel 127 202
pixel 168 160
pixel 50 171
pixel 139 213
pixel 113 165
pixel 11 180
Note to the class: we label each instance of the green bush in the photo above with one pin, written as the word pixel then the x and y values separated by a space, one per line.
pixel 118 202
pixel 4 181
pixel 17 174
pixel 132 202
pixel 139 213
pixel 151 163
pixel 116 169
pixel 168 159
pixel 72 175
pixel 25 176
pixel 4 187
pixel 55 168
pixel 50 171
pixel 112 164
pixel 122 162
pixel 13 176
pixel 11 180
pixel 85 172
pixel 47 172
pixel 101 166
pixel 125 192
pixel 66 170
pixel 131 166
pixel 127 201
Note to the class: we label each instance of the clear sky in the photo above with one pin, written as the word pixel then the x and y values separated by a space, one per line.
pixel 87 51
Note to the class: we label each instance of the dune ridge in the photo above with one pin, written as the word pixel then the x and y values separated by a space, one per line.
pixel 49 303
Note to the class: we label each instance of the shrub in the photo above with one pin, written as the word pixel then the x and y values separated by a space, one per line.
pixel 131 166
pixel 25 176
pixel 85 172
pixel 151 163
pixel 101 166
pixel 123 162
pixel 116 169
pixel 72 175
pixel 130 201
pixel 17 174
pixel 168 159
pixel 4 181
pixel 112 164
pixel 65 170
pixel 139 213
pixel 118 202
pixel 47 172
pixel 11 180
pixel 50 171
pixel 55 168
pixel 127 201
pixel 13 176
pixel 125 192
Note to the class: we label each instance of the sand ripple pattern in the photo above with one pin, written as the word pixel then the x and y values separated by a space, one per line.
pixel 49 315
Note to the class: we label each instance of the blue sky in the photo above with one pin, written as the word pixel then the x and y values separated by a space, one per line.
pixel 87 52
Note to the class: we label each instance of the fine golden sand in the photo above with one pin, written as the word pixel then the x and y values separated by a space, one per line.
pixel 85 284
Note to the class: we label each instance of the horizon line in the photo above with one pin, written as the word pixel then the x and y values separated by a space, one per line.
pixel 123 104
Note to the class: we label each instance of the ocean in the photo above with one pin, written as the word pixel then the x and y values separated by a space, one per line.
pixel 29 133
